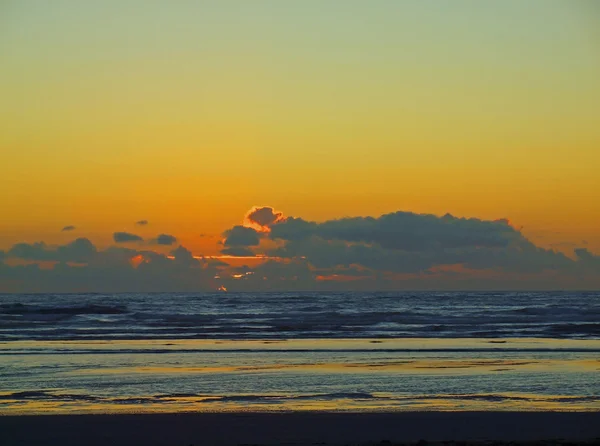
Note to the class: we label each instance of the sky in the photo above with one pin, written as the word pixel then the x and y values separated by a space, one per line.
pixel 188 115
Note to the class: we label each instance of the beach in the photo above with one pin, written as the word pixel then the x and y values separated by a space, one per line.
pixel 225 429
pixel 241 369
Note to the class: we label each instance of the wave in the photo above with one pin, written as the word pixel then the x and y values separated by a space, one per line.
pixel 299 315
pixel 22 309
pixel 45 395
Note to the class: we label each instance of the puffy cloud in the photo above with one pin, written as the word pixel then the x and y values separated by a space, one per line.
pixel 404 230
pixel 586 258
pixel 79 250
pixel 165 239
pixel 241 236
pixel 405 243
pixel 124 237
pixel 184 257
pixel 68 228
pixel 141 222
pixel 79 266
pixel 27 251
pixel 262 218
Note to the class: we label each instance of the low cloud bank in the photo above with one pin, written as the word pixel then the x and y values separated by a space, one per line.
pixel 401 250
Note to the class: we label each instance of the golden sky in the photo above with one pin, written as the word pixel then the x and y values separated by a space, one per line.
pixel 186 114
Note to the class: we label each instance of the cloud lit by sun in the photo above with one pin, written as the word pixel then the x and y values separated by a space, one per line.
pixel 261 218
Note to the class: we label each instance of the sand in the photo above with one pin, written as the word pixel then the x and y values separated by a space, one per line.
pixel 226 429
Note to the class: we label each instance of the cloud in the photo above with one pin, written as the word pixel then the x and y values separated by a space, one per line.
pixel 124 237
pixel 405 246
pixel 27 251
pixel 401 250
pixel 216 263
pixel 588 259
pixel 141 222
pixel 404 230
pixel 80 266
pixel 238 251
pixel 261 218
pixel 184 257
pixel 241 236
pixel 79 250
pixel 165 239
pixel 272 275
pixel 68 228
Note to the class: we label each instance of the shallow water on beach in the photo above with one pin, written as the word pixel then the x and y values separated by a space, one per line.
pixel 338 375
pixel 292 351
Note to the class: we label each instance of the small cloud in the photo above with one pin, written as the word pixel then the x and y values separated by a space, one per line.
pixel 141 222
pixel 68 228
pixel 165 239
pixel 261 218
pixel 124 237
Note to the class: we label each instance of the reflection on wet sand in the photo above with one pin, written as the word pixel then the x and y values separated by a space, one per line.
pixel 299 375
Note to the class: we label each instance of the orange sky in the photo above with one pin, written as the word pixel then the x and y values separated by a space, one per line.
pixel 188 116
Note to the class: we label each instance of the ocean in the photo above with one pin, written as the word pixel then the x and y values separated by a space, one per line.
pixel 343 351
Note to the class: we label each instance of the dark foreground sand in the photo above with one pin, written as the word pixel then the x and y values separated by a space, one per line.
pixel 298 428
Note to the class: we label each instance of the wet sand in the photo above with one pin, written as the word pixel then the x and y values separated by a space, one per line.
pixel 225 429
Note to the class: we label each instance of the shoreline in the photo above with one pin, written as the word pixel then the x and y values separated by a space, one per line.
pixel 297 428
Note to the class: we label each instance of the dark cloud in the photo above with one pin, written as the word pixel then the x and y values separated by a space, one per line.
pixel 184 257
pixel 273 275
pixel 141 222
pixel 409 243
pixel 79 250
pixel 395 251
pixel 216 263
pixel 588 259
pixel 124 237
pixel 30 251
pixel 263 216
pixel 68 228
pixel 404 230
pixel 79 266
pixel 238 251
pixel 241 236
pixel 165 239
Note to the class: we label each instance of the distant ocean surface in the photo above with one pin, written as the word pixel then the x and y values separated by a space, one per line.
pixel 66 353
pixel 299 315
